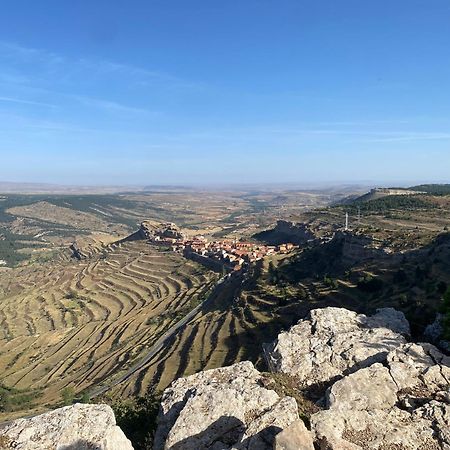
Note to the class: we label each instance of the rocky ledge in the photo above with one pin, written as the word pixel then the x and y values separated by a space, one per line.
pixel 76 427
pixel 377 392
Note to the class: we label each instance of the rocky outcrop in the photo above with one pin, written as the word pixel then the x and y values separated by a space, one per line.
pixel 285 231
pixel 333 342
pixel 76 427
pixel 378 392
pixel 404 405
pixel 384 393
pixel 435 332
pixel 226 408
pixel 76 252
pixel 152 231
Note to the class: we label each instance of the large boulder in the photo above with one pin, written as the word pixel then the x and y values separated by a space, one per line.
pixel 334 342
pixel 383 393
pixel 402 405
pixel 435 332
pixel 226 408
pixel 76 427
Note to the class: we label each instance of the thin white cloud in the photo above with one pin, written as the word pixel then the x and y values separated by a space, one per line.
pixel 58 78
pixel 110 106
pixel 51 62
pixel 25 102
pixel 406 137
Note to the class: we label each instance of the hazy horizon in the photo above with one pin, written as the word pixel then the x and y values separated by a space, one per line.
pixel 11 186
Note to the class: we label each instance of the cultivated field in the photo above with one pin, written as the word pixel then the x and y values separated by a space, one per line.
pixel 231 328
pixel 79 324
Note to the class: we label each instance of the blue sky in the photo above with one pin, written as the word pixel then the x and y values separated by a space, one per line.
pixel 236 91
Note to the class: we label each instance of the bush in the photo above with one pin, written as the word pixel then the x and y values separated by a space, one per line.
pixel 370 284
pixel 137 419
pixel 445 310
pixel 400 276
pixel 330 282
pixel 14 399
pixel 442 287
pixel 68 395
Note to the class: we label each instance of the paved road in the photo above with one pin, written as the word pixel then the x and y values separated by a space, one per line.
pixel 159 344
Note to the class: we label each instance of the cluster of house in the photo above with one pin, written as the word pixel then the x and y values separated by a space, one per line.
pixel 233 253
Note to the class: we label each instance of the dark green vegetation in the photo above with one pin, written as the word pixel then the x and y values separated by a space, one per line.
pixel 14 399
pixel 68 395
pixel 445 310
pixel 391 202
pixel 137 419
pixel 433 189
pixel 11 245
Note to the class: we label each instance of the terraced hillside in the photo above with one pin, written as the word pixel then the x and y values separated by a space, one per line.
pixel 281 289
pixel 231 328
pixel 79 324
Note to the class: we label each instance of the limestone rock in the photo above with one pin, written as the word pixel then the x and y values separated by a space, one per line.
pixel 375 429
pixel 224 408
pixel 434 333
pixel 402 405
pixel 368 389
pixel 294 437
pixel 419 367
pixel 334 342
pixel 383 393
pixel 76 427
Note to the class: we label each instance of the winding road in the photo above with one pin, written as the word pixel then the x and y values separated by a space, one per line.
pixel 159 344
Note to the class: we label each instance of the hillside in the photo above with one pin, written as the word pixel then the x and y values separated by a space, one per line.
pixel 433 189
pixel 33 227
pixel 77 327
pixel 378 193
pixel 77 324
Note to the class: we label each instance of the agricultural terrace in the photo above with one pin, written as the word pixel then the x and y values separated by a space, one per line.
pixel 78 324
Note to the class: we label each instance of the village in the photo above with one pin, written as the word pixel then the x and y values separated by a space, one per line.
pixel 229 253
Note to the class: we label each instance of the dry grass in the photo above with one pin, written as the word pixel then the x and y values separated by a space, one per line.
pixel 80 324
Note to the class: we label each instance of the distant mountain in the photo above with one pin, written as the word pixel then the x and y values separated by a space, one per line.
pixel 378 193
pixel 7 187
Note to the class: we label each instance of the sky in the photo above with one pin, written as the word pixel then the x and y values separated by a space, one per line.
pixel 236 91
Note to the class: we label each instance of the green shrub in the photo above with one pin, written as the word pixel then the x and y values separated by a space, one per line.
pixel 68 395
pixel 370 284
pixel 445 310
pixel 137 419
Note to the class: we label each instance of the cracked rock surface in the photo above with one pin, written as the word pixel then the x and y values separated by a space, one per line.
pixel 220 409
pixel 384 393
pixel 402 406
pixel 379 392
pixel 333 342
pixel 76 427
